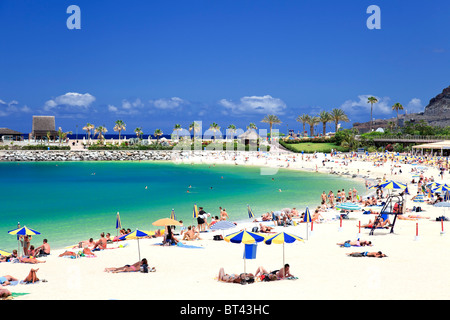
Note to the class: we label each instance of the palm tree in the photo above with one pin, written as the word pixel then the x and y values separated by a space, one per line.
pixel 177 128
pixel 397 107
pixel 194 127
pixel 252 126
pixel 100 130
pixel 120 125
pixel 312 122
pixel 338 115
pixel 157 134
pixel 325 117
pixel 138 132
pixel 48 138
pixel 88 127
pixel 271 119
pixel 304 118
pixel 214 127
pixel 232 130
pixel 371 100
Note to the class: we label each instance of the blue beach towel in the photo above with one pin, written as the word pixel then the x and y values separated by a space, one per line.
pixel 182 245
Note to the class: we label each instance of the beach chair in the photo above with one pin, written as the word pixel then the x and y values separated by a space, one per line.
pixel 390 207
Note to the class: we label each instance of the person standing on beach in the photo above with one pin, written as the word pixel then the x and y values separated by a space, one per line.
pixel 224 215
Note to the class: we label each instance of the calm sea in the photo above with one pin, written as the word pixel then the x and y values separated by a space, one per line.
pixel 72 201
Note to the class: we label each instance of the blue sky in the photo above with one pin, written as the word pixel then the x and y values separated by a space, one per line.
pixel 156 63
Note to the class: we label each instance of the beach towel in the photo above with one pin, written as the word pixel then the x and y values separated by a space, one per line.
pixel 182 245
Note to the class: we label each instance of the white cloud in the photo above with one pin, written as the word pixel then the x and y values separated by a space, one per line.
pixel 70 99
pixel 168 103
pixel 361 107
pixel 415 105
pixel 12 107
pixel 128 107
pixel 112 108
pixel 255 105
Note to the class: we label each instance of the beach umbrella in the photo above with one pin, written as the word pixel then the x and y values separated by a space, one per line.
pixel 250 212
pixel 166 222
pixel 348 206
pixel 307 219
pixel 282 238
pixel 135 235
pixel 118 223
pixel 222 225
pixel 195 212
pixel 441 189
pixel 4 253
pixel 172 215
pixel 393 185
pixel 22 232
pixel 244 237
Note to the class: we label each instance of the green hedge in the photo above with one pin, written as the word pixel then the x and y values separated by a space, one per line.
pixel 44 147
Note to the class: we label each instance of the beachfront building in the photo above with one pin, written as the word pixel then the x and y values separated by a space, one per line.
pixel 9 135
pixel 441 148
pixel 249 137
pixel 43 125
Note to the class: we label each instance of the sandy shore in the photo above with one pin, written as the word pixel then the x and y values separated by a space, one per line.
pixel 414 268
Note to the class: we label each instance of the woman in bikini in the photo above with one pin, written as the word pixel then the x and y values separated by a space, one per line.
pixel 128 268
pixel 233 278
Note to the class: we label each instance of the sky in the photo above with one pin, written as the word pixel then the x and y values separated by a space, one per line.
pixel 154 64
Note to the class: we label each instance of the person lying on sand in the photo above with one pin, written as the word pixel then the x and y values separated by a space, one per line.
pixel 276 274
pixel 381 224
pixel 86 251
pixel 129 268
pixel 30 260
pixel 242 278
pixel 357 243
pixel 264 229
pixel 4 293
pixel 6 280
pixel 32 277
pixel 378 254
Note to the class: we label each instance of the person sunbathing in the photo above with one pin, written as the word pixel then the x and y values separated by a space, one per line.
pixel 357 243
pixel 264 229
pixel 4 293
pixel 378 254
pixel 264 275
pixel 242 278
pixel 86 251
pixel 6 280
pixel 30 260
pixel 128 268
pixel 32 277
pixel 380 224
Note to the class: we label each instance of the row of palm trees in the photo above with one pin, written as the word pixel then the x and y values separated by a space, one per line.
pixel 336 116
pixel 372 100
pixel 118 127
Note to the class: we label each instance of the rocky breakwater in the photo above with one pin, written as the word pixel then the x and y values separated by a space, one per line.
pixel 34 155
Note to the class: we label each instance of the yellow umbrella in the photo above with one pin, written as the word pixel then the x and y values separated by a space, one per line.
pixel 4 253
pixel 166 222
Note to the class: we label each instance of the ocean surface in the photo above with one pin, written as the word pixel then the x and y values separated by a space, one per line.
pixel 73 201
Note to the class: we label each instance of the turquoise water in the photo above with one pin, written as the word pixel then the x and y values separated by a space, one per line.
pixel 72 201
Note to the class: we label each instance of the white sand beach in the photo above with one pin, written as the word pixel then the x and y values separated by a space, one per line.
pixel 415 268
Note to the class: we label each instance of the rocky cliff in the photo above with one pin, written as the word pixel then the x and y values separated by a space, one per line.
pixel 436 113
